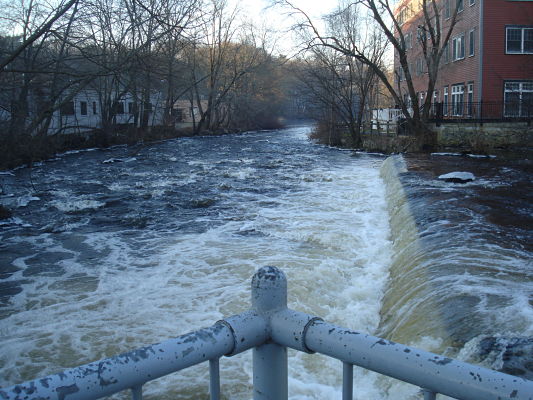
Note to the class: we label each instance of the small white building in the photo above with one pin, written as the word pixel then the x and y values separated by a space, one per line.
pixel 84 112
pixel 186 114
pixel 384 116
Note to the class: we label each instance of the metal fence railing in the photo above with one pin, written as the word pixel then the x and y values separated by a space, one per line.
pixel 269 328
pixel 483 111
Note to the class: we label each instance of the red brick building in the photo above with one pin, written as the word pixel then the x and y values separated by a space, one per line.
pixel 487 67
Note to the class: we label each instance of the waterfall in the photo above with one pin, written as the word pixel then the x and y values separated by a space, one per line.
pixel 409 312
pixel 457 285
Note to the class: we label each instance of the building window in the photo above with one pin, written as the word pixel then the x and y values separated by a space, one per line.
pixel 83 107
pixel 118 107
pixel 460 5
pixel 409 41
pixel 434 102
pixel 94 108
pixel 445 103
pixel 472 2
pixel 471 43
pixel 399 74
pixel 518 99
pixel 421 34
pixel 179 114
pixel 458 94
pixel 67 108
pixel 458 47
pixel 419 67
pixel 519 40
pixel 402 16
pixel 446 54
pixel 470 99
pixel 447 9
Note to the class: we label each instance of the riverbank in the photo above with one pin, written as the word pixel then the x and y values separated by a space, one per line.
pixel 25 150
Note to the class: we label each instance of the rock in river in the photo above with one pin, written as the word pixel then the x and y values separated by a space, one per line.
pixel 458 177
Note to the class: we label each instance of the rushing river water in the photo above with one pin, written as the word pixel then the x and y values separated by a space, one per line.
pixel 111 250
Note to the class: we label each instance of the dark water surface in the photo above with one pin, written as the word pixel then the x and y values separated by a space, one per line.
pixel 114 249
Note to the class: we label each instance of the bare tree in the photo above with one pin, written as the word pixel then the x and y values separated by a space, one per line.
pixel 228 54
pixel 31 75
pixel 38 31
pixel 436 36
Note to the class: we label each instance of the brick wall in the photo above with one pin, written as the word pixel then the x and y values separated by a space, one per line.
pixel 498 66
pixel 465 70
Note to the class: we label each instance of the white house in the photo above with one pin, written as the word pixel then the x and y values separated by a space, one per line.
pixel 83 112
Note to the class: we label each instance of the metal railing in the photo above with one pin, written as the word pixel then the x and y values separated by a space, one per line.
pixel 269 328
pixel 482 111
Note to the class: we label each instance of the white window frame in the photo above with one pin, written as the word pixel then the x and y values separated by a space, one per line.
pixel 445 101
pixel 420 66
pixel 447 9
pixel 472 2
pixel 458 47
pixel 471 43
pixel 409 41
pixel 521 88
pixel 522 39
pixel 470 99
pixel 458 98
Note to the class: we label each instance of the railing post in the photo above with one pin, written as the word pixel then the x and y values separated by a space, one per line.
pixel 429 394
pixel 481 112
pixel 214 379
pixel 137 392
pixel 347 381
pixel 269 294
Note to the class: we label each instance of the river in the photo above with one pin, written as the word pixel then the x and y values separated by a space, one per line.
pixel 109 250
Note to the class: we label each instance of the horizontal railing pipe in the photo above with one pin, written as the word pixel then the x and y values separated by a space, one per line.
pixel 128 370
pixel 421 368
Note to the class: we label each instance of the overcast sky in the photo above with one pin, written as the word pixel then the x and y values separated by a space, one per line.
pixel 279 19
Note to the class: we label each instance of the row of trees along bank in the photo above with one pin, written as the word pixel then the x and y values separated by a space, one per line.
pixel 351 45
pixel 202 52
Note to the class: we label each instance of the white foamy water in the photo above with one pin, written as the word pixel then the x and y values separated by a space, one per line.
pixel 318 214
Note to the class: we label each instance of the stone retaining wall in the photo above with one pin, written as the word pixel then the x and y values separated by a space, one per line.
pixel 489 135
